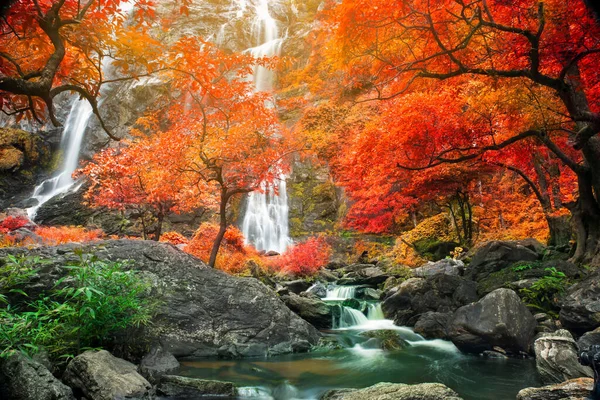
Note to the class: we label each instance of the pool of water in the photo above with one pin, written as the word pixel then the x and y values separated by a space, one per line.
pixel 307 376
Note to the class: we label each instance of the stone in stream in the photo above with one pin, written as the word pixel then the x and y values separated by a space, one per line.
pixel 22 378
pixel 433 325
pixel 499 319
pixel 312 309
pixel 366 276
pixel 319 289
pixel 98 375
pixel 394 391
pixel 580 307
pixel 575 389
pixel 296 286
pixel 182 387
pixel 156 363
pixel 556 358
pixel 203 312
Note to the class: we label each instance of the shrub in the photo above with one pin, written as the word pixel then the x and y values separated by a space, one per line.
pixel 174 238
pixel 87 307
pixel 233 254
pixel 54 235
pixel 11 223
pixel 544 294
pixel 305 258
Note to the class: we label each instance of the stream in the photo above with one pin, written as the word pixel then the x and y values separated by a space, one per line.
pixel 360 363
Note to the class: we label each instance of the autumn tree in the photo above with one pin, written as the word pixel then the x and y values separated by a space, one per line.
pixel 388 50
pixel 51 47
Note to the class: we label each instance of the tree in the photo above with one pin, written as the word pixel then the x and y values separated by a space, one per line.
pixel 51 47
pixel 389 50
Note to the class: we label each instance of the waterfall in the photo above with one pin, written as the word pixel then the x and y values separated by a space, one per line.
pixel 265 224
pixel 340 293
pixel 349 317
pixel 375 313
pixel 70 145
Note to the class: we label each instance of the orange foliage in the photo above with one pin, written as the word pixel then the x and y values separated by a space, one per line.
pixel 174 238
pixel 11 223
pixel 305 258
pixel 54 235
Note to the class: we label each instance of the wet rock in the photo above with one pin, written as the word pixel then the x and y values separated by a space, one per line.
pixel 575 389
pixel 297 286
pixel 22 378
pixel 499 319
pixel 394 391
pixel 384 340
pixel 157 363
pixel 311 309
pixel 589 339
pixel 366 276
pixel 318 289
pixel 189 388
pixel 203 312
pixel 446 266
pixel 369 294
pixel 580 308
pixel 98 375
pixel 556 358
pixel 433 325
pixel 438 293
pixel 497 255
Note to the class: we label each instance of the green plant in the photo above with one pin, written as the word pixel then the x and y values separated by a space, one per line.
pixel 519 267
pixel 92 303
pixel 543 293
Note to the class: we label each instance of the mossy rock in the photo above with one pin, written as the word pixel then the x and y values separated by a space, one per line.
pixel 352 303
pixel 388 339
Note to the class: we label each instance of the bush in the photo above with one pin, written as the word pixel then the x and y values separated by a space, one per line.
pixel 54 235
pixel 174 238
pixel 544 294
pixel 90 305
pixel 233 254
pixel 305 258
pixel 11 223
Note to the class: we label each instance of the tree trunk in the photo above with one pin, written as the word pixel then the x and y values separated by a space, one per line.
pixel 586 223
pixel 560 231
pixel 222 228
pixel 159 222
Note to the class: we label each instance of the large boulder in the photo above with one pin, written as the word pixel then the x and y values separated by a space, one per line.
pixel 556 358
pixel 580 308
pixel 589 339
pixel 446 266
pixel 181 387
pixel 98 375
pixel 22 378
pixel 204 312
pixel 499 319
pixel 370 275
pixel 575 389
pixel 310 308
pixel 157 363
pixel 433 325
pixel 438 293
pixel 394 391
pixel 497 255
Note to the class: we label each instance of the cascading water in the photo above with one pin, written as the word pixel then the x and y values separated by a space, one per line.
pixel 265 224
pixel 71 141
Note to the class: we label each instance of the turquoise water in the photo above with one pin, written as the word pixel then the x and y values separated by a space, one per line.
pixel 307 376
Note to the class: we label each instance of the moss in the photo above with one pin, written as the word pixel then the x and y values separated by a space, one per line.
pixel 389 340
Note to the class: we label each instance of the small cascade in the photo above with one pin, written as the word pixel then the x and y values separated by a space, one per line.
pixel 349 317
pixel 374 312
pixel 336 293
pixel 71 141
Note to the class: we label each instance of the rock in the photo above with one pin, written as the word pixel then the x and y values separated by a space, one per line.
pixel 189 388
pixel 499 319
pixel 271 253
pixel 575 389
pixel 438 293
pixel 588 339
pixel 580 308
pixel 497 255
pixel 98 375
pixel 327 275
pixel 157 363
pixel 446 266
pixel 368 293
pixel 203 312
pixel 318 289
pixel 24 379
pixel 357 267
pixel 556 358
pixel 297 286
pixel 385 340
pixel 313 310
pixel 433 325
pixel 394 391
pixel 367 276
